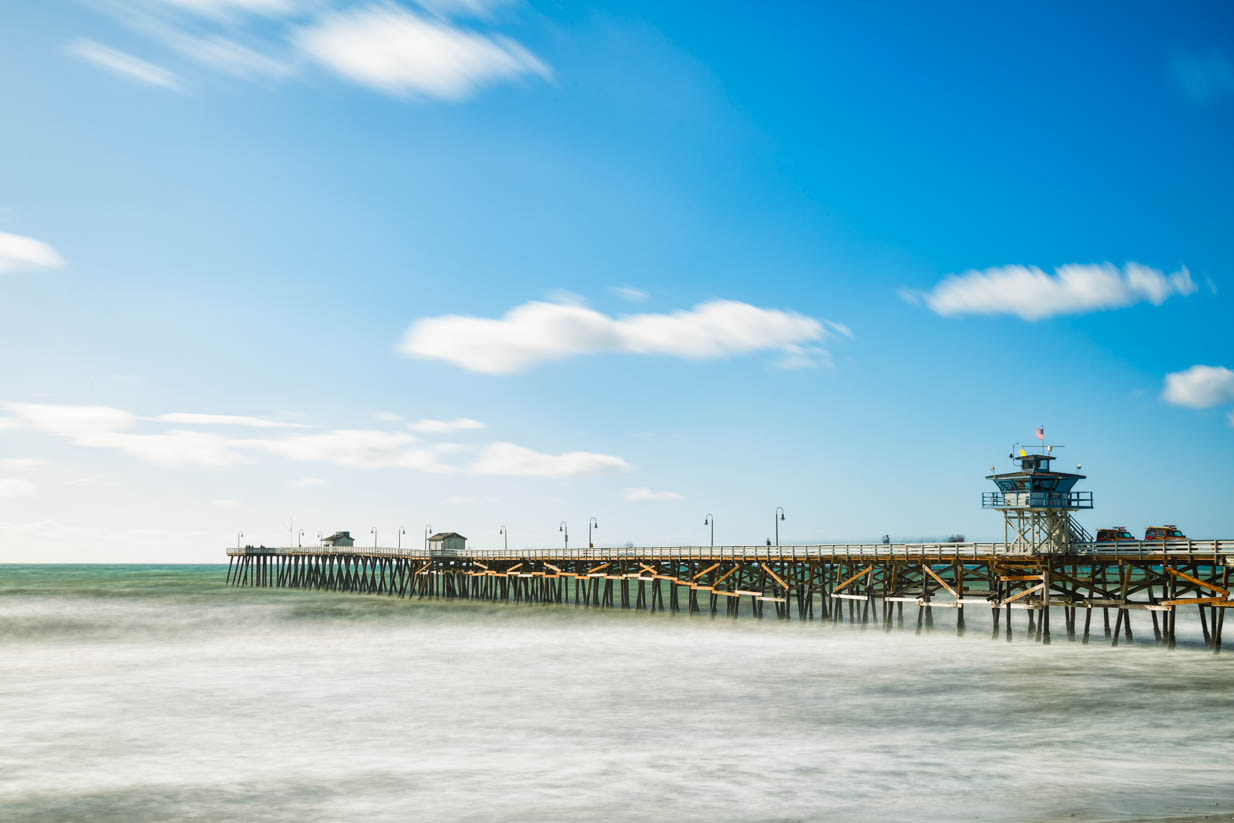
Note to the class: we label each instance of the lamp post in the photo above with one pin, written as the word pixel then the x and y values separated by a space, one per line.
pixel 592 523
pixel 710 520
pixel 300 539
pixel 564 529
pixel 427 529
pixel 780 513
pixel 239 537
pixel 319 540
pixel 373 531
pixel 505 537
pixel 401 531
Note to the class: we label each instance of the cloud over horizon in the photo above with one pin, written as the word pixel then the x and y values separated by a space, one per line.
pixel 1031 294
pixel 105 427
pixel 642 493
pixel 538 332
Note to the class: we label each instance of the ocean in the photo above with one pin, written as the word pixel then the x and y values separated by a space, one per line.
pixel 141 693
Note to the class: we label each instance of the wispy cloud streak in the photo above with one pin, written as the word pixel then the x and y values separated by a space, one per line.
pixel 125 65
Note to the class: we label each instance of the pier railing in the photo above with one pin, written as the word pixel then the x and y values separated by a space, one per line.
pixel 1122 548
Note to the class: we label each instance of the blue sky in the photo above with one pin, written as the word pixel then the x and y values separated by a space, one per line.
pixel 661 263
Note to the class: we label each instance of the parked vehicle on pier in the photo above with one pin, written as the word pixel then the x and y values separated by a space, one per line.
pixel 1163 533
pixel 1114 534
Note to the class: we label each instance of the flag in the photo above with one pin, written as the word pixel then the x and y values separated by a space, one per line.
pixel 1041 433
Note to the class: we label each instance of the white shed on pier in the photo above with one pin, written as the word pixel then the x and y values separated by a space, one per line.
pixel 343 539
pixel 447 543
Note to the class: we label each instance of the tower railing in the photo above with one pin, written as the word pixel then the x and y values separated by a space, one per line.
pixel 1036 500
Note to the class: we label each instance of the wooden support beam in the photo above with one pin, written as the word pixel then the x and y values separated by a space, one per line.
pixel 704 571
pixel 852 579
pixel 940 580
pixel 1223 592
pixel 717 581
pixel 1024 593
pixel 775 576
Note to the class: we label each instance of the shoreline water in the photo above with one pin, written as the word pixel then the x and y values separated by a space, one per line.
pixel 156 692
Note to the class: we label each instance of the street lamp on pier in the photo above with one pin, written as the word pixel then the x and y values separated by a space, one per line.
pixel 401 531
pixel 592 523
pixel 564 529
pixel 239 537
pixel 427 529
pixel 300 539
pixel 779 517
pixel 505 537
pixel 373 531
pixel 710 520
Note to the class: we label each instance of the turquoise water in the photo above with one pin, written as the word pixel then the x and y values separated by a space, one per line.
pixel 134 693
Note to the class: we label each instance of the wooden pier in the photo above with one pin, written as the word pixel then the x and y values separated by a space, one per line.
pixel 868 584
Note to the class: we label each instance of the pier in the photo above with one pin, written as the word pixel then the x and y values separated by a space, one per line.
pixel 1093 588
pixel 1047 567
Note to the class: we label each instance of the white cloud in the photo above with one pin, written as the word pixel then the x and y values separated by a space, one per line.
pixel 17 488
pixel 20 464
pixel 629 293
pixel 124 64
pixel 174 448
pixel 17 252
pixel 1204 77
pixel 536 332
pixel 1030 293
pixel 1200 387
pixel 805 357
pixel 401 53
pixel 356 447
pixel 226 8
pixel 840 328
pixel 103 427
pixel 463 8
pixel 513 460
pixel 71 420
pixel 305 482
pixel 231 57
pixel 643 493
pixel 388 417
pixel 197 419
pixel 430 426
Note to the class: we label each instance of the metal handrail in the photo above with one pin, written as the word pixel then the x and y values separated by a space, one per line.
pixel 1137 548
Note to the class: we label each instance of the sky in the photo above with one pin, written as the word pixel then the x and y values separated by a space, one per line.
pixel 274 266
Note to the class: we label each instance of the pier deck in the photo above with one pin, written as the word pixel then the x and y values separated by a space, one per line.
pixel 855 582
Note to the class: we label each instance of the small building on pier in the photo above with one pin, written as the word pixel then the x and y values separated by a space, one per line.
pixel 340 539
pixel 1037 504
pixel 447 543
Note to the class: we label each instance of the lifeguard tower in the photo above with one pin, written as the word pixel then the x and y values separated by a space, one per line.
pixel 1037 503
